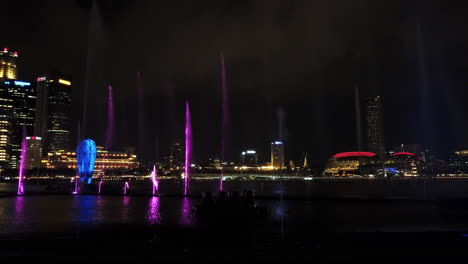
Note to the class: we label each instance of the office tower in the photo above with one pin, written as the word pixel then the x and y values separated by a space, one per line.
pixel 375 128
pixel 53 112
pixel 34 152
pixel 277 155
pixel 6 126
pixel 18 106
pixel 177 156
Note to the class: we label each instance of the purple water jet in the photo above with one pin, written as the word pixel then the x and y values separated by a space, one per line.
pixel 100 182
pixel 188 146
pixel 154 180
pixel 225 118
pixel 110 120
pixel 75 191
pixel 126 186
pixel 99 187
pixel 22 164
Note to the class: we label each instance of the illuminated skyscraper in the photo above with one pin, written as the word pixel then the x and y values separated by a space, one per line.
pixel 18 106
pixel 277 155
pixel 6 126
pixel 8 64
pixel 53 112
pixel 375 128
pixel 34 152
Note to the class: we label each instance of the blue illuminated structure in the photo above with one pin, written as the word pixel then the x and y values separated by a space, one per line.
pixel 86 156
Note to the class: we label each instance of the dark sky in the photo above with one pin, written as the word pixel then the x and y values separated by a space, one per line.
pixel 298 58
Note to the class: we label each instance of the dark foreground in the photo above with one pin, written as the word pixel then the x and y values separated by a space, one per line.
pixel 132 243
pixel 166 228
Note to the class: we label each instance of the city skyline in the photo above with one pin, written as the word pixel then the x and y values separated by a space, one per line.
pixel 263 76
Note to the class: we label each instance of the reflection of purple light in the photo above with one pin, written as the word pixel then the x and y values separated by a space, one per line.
pixel 153 212
pixel 225 116
pixel 126 186
pixel 154 180
pixel 188 145
pixel 186 217
pixel 19 206
pixel 110 120
pixel 22 164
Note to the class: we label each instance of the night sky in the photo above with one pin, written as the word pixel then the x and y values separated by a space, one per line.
pixel 291 69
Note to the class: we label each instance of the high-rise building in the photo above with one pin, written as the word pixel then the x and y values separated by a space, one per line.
pixel 53 112
pixel 8 64
pixel 6 126
pixel 375 128
pixel 177 156
pixel 19 98
pixel 24 106
pixel 277 155
pixel 33 152
pixel 249 158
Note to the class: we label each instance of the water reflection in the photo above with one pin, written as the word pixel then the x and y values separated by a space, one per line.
pixel 186 217
pixel 125 209
pixel 19 210
pixel 153 217
pixel 86 208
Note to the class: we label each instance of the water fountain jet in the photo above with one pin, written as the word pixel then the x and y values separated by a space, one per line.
pixel 154 180
pixel 188 146
pixel 22 164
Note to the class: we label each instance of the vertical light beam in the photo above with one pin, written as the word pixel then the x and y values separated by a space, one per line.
pixel 188 146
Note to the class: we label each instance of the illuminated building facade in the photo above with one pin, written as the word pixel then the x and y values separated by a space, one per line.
pixel 105 160
pixel 53 111
pixel 8 64
pixel 18 101
pixel 375 128
pixel 6 126
pixel 277 155
pixel 349 164
pixel 34 152
pixel 249 158
pixel 24 106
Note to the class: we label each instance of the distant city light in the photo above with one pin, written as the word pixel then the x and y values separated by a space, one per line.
pixel 243 152
pixel 5 50
pixel 251 152
pixel 278 143
pixel 20 83
pixel 7 82
pixel 64 82
pixel 40 79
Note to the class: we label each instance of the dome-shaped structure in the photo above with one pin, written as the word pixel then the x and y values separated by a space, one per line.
pixel 352 164
pixel 404 164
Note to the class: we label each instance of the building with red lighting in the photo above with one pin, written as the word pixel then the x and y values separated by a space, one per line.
pixel 404 164
pixel 347 164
